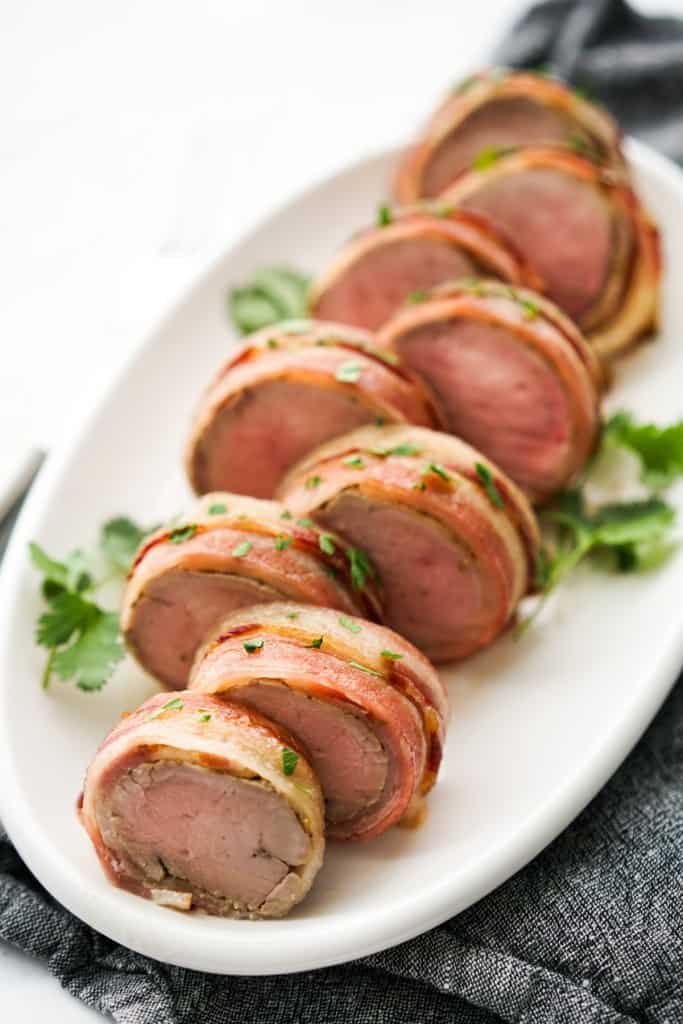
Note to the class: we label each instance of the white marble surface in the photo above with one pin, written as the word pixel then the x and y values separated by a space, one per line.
pixel 139 138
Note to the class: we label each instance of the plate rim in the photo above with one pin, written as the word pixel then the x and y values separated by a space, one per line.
pixel 130 924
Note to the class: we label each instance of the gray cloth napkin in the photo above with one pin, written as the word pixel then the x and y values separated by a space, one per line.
pixel 592 930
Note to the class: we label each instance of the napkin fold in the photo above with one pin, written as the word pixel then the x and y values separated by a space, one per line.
pixel 592 929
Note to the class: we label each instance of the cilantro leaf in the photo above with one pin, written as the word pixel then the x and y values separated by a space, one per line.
pixel 273 294
pixel 120 539
pixel 92 658
pixel 361 568
pixel 659 449
pixel 290 760
pixel 67 614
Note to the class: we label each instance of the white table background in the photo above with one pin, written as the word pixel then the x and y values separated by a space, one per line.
pixel 139 139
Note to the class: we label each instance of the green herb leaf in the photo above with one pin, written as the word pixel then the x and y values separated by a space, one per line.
pixel 348 373
pixel 384 215
pixel 361 568
pixel 531 309
pixel 204 716
pixel 437 469
pixel 90 660
pixel 286 514
pixel 366 668
pixel 68 613
pixel 490 155
pixel 355 461
pixel 312 483
pixel 273 343
pixel 120 539
pixel 400 449
pixel 181 533
pixel 486 477
pixel 282 542
pixel 290 760
pixel 218 509
pixel 175 704
pixel 326 542
pixel 251 646
pixel 273 294
pixel 306 523
pixel 293 615
pixel 391 655
pixel 242 549
pixel 659 449
pixel 353 627
pixel 317 643
pixel 419 295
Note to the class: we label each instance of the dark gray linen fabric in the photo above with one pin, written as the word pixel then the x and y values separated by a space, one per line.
pixel 592 930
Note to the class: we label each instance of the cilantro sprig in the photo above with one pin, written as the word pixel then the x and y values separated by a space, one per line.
pixel 659 449
pixel 82 638
pixel 273 294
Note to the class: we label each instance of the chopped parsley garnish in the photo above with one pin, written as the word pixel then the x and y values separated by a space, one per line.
pixel 317 643
pixel 251 646
pixel 384 215
pixel 290 760
pixel 366 668
pixel 286 514
pixel 489 484
pixel 391 655
pixel 400 449
pixel 312 483
pixel 355 461
pixel 326 543
pixel 171 705
pixel 420 486
pixel 182 533
pixel 293 615
pixel 531 309
pixel 204 716
pixel 282 542
pixel 218 509
pixel 273 343
pixel 242 549
pixel 488 156
pixel 273 294
pixel 306 523
pixel 353 627
pixel 361 568
pixel 419 295
pixel 436 469
pixel 348 373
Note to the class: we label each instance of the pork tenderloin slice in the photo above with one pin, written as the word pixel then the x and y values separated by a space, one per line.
pixel 186 580
pixel 366 739
pixel 506 379
pixel 266 412
pixel 187 804
pixel 452 564
pixel 495 110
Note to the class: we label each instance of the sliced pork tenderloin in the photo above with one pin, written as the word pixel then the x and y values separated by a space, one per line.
pixel 369 708
pixel 196 804
pixel 286 390
pixel 509 373
pixel 229 551
pixel 450 539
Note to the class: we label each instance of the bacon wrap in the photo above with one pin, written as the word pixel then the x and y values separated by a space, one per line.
pixel 189 805
pixel 284 392
pixel 373 723
pixel 514 109
pixel 585 231
pixel 176 592
pixel 451 565
pixel 381 267
pixel 509 373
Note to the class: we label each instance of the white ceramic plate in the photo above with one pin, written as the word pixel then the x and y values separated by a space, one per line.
pixel 537 726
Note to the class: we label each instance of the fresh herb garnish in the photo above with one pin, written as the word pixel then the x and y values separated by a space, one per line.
pixel 419 295
pixel 181 533
pixel 436 469
pixel 306 523
pixel 379 421
pixel 355 461
pixel 273 343
pixel 317 643
pixel 488 156
pixel 659 449
pixel 531 309
pixel 353 627
pixel 251 646
pixel 242 549
pixel 391 655
pixel 290 760
pixel 348 373
pixel 286 514
pixel 281 543
pixel 120 539
pixel 489 484
pixel 312 483
pixel 384 215
pixel 272 294
pixel 175 704
pixel 400 449
pixel 204 716
pixel 293 615
pixel 366 668
pixel 326 543
pixel 361 568
pixel 218 509
pixel 420 486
